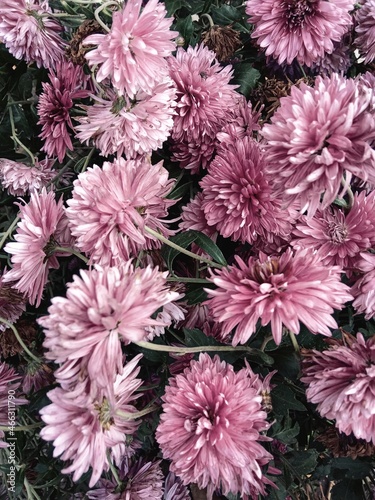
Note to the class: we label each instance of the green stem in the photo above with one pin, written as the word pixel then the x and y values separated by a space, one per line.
pixel 98 11
pixel 20 428
pixel 14 133
pixel 189 280
pixel 20 341
pixel 164 240
pixel 113 470
pixel 187 350
pixel 209 18
pixel 8 232
pixel 88 158
pixel 137 414
pixel 265 342
pixel 31 493
pixel 349 192
pixel 73 252
pixel 294 342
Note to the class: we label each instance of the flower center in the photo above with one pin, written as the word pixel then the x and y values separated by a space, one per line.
pixel 296 12
pixel 337 232
pixel 104 413
pixel 264 270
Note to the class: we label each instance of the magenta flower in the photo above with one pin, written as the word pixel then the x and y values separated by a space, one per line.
pixel 20 179
pixel 85 424
pixel 132 53
pixel 339 237
pixel 341 381
pixel 318 134
pixel 101 308
pixel 193 217
pixel 129 126
pixel 210 428
pixel 30 33
pixel 67 83
pixel 363 289
pixel 237 196
pixel 302 30
pixel 111 205
pixel 280 290
pixel 365 30
pixel 43 226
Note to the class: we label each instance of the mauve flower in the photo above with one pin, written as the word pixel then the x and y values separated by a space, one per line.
pixel 68 82
pixel 316 135
pixel 193 217
pixel 42 227
pixel 175 489
pixel 118 124
pixel 171 314
pixel 300 29
pixel 139 481
pixel 363 289
pixel 101 308
pixel 20 179
pixel 9 400
pixel 193 155
pixel 365 30
pixel 237 196
pixel 336 62
pixel 37 375
pixel 132 53
pixel 84 425
pixel 210 428
pixel 12 303
pixel 281 290
pixel 111 205
pixel 341 381
pixel 30 33
pixel 339 237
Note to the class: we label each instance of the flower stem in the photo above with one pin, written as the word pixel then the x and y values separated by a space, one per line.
pixel 137 414
pixel 20 341
pixel 31 493
pixel 14 133
pixel 209 18
pixel 187 350
pixel 87 160
pixel 20 428
pixel 294 342
pixel 161 238
pixel 113 470
pixel 188 280
pixel 98 11
pixel 73 252
pixel 8 232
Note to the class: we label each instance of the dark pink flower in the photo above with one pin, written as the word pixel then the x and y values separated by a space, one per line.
pixel 363 289
pixel 132 53
pixel 210 427
pixel 318 134
pixel 68 82
pixel 101 308
pixel 12 303
pixel 339 237
pixel 42 227
pixel 29 32
pixel 341 381
pixel 281 290
pixel 110 206
pixel 365 30
pixel 237 196
pixel 20 179
pixel 302 29
pixel 175 489
pixel 84 424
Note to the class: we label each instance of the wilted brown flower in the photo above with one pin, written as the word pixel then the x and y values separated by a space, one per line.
pixel 223 40
pixel 9 345
pixel 75 51
pixel 342 445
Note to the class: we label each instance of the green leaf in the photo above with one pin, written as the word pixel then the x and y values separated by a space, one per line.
pixel 284 399
pixel 179 191
pixel 246 76
pixel 173 6
pixel 206 244
pixel 347 468
pixel 347 490
pixel 285 432
pixel 197 295
pixel 196 338
pixel 226 15
pixel 185 27
pixel 183 240
pixel 300 463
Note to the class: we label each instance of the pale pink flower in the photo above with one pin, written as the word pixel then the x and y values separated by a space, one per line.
pixel 9 398
pixel 30 33
pixel 110 206
pixel 118 124
pixel 171 314
pixel 68 82
pixel 316 135
pixel 300 29
pixel 281 290
pixel 237 196
pixel 12 303
pixel 210 427
pixel 339 237
pixel 101 308
pixel 84 426
pixel 365 30
pixel 20 179
pixel 341 381
pixel 363 289
pixel 42 227
pixel 132 53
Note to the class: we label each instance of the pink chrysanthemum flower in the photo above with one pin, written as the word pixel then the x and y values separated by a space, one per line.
pixel 36 376
pixel 365 30
pixel 341 381
pixel 193 217
pixel 301 29
pixel 210 428
pixel 110 206
pixel 102 307
pixel 30 33
pixel 55 102
pixel 171 314
pixel 129 126
pixel 12 303
pixel 20 179
pixel 339 237
pixel 336 62
pixel 237 197
pixel 139 481
pixel 175 489
pixel 43 226
pixel 132 53
pixel 363 289
pixel 84 425
pixel 281 290
pixel 9 400
pixel 316 135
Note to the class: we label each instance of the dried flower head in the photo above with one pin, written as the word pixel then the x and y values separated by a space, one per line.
pixel 223 40
pixel 75 51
